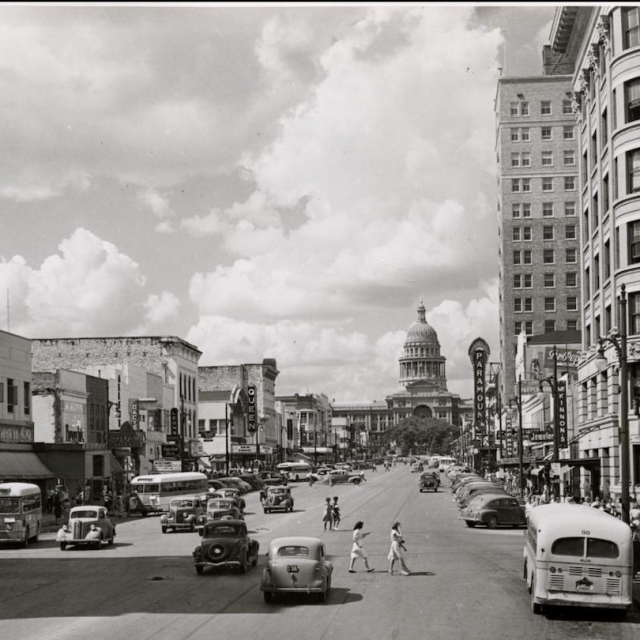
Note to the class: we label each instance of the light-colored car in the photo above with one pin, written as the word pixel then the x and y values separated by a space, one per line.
pixel 278 499
pixel 225 543
pixel 233 494
pixel 88 525
pixel 341 475
pixel 183 514
pixel 296 565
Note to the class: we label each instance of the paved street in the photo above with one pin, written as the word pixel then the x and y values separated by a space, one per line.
pixel 465 583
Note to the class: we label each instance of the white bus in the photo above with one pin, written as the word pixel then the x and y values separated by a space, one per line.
pixel 578 556
pixel 155 492
pixel 296 471
pixel 20 512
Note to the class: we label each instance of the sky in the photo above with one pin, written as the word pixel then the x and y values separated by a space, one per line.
pixel 263 180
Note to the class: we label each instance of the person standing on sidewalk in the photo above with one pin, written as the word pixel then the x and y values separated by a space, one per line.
pixel 357 550
pixel 397 547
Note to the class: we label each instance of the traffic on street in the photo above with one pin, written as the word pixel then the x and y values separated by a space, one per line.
pixel 461 582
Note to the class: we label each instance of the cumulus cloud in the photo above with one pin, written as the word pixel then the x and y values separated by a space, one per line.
pixel 88 288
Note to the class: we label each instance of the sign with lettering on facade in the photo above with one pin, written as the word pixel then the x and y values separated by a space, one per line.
pixel 16 433
pixel 479 354
pixel 171 451
pixel 174 422
pixel 243 448
pixel 134 413
pixel 562 413
pixel 567 358
pixel 119 439
pixel 252 409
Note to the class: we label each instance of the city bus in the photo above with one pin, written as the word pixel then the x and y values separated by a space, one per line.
pixel 578 556
pixel 295 471
pixel 156 491
pixel 20 512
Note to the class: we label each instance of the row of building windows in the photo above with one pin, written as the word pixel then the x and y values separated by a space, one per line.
pixel 523 185
pixel 523 134
pixel 523 158
pixel 525 305
pixel 12 397
pixel 524 209
pixel 548 233
pixel 549 326
pixel 548 280
pixel 548 256
pixel 521 108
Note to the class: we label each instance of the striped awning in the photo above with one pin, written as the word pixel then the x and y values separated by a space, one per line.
pixel 22 465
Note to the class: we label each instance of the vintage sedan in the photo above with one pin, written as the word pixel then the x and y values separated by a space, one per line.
pixel 493 510
pixel 225 543
pixel 220 509
pixel 183 515
pixel 296 565
pixel 278 499
pixel 89 526
pixel 428 481
pixel 232 494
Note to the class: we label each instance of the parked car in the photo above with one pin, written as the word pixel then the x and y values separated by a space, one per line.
pixel 278 499
pixel 225 543
pixel 88 525
pixel 296 565
pixel 234 494
pixel 428 481
pixel 183 514
pixel 478 490
pixel 219 509
pixel 493 510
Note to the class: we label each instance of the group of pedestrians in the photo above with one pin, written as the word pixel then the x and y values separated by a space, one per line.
pixel 331 514
pixel 396 552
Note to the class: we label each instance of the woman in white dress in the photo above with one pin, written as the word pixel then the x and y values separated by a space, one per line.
pixel 357 550
pixel 397 547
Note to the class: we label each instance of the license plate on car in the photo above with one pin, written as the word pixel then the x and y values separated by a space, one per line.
pixel 292 568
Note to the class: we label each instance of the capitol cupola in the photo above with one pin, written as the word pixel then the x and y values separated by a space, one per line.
pixel 421 361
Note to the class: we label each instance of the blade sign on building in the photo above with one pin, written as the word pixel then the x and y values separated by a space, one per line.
pixel 562 413
pixel 252 415
pixel 479 354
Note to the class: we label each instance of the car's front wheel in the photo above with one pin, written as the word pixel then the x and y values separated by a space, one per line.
pixel 268 596
pixel 199 569
pixel 63 546
pixel 164 529
pixel 470 524
pixel 244 564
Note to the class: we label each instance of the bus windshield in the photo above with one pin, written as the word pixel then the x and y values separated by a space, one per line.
pixel 9 505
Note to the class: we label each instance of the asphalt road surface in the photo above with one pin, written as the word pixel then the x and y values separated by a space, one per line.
pixel 465 583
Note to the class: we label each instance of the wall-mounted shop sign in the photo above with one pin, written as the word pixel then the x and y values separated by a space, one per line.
pixel 16 433
pixel 119 439
pixel 252 409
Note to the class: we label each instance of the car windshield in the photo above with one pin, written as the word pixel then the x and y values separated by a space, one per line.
pixel 84 513
pixel 182 503
pixel 223 531
pixel 9 505
pixel 278 492
pixel 293 551
pixel 219 504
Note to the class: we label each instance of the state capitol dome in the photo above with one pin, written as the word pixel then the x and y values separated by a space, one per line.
pixel 421 331
pixel 421 361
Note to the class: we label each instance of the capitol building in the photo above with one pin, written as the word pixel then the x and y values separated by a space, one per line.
pixel 422 390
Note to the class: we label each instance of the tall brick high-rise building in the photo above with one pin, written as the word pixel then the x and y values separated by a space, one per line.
pixel 538 193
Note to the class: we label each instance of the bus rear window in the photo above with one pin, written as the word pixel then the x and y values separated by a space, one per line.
pixel 568 547
pixel 596 548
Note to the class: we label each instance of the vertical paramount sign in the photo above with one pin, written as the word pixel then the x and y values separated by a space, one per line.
pixel 479 354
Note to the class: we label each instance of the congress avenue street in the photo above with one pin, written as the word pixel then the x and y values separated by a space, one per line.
pixel 465 583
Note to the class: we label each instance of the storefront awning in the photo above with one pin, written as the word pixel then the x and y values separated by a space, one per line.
pixel 204 463
pixel 116 468
pixel 22 465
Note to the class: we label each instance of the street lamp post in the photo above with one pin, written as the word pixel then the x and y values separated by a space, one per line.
pixel 518 403
pixel 553 383
pixel 619 341
pixel 227 456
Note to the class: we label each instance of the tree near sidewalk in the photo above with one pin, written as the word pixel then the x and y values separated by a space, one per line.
pixel 413 434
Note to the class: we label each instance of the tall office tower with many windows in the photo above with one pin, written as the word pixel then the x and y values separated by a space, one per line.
pixel 603 45
pixel 539 258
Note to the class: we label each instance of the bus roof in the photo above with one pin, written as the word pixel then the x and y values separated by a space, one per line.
pixel 566 519
pixel 16 489
pixel 169 477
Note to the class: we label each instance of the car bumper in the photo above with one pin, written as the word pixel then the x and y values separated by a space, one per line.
pixel 222 563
